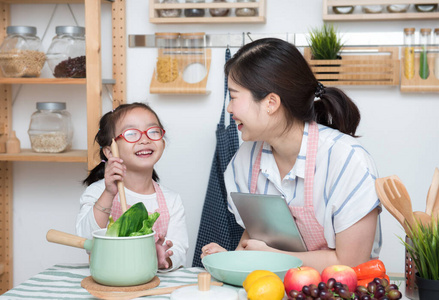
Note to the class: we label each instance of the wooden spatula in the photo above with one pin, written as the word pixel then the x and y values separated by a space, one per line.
pixel 399 197
pixel 423 218
pixel 385 201
pixel 432 192
pixel 120 185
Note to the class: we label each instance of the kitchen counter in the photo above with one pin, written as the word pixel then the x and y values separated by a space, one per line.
pixel 64 282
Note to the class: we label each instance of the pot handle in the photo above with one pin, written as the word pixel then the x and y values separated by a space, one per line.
pixel 67 239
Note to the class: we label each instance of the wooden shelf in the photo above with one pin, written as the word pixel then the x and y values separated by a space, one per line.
pixel 363 66
pixel 155 6
pixel 411 14
pixel 28 155
pixel 4 80
pixel 47 1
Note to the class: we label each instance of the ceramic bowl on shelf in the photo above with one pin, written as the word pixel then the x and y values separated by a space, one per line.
pixel 232 267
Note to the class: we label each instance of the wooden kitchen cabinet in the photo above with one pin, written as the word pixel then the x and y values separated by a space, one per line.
pixel 359 15
pixel 93 83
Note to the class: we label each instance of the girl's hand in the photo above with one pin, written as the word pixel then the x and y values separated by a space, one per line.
pixel 114 171
pixel 255 245
pixel 211 249
pixel 163 254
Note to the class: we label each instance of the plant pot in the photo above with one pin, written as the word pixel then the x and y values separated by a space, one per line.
pixel 427 288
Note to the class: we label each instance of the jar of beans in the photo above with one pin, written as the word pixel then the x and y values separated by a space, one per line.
pixel 21 53
pixel 66 53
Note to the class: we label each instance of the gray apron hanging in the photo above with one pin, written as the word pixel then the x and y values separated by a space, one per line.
pixel 217 223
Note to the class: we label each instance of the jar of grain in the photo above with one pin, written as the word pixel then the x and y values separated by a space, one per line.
pixel 66 53
pixel 168 47
pixel 246 11
pixel 169 13
pixel 21 53
pixel 50 128
pixel 194 12
pixel 219 12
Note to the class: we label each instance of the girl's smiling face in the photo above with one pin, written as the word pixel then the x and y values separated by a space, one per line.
pixel 247 113
pixel 144 153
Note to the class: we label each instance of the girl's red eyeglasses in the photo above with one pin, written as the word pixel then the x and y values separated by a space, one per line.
pixel 133 135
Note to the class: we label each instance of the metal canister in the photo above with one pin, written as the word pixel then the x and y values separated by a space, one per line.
pixel 411 289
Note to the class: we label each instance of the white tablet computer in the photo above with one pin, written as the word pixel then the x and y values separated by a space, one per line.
pixel 267 218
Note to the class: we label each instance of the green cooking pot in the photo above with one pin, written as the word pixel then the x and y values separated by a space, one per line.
pixel 115 261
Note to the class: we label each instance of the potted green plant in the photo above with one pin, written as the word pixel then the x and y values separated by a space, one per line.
pixel 424 250
pixel 324 42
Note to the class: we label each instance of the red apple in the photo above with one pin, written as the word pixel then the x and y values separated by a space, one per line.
pixel 296 278
pixel 344 274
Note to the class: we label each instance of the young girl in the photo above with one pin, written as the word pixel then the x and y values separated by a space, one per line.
pixel 138 133
pixel 299 142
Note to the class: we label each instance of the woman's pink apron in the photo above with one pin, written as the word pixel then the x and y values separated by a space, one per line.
pixel 310 229
pixel 161 225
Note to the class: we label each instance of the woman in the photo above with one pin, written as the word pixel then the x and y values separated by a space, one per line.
pixel 299 142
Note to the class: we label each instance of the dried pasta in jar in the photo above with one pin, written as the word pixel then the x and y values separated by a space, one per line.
pixel 166 69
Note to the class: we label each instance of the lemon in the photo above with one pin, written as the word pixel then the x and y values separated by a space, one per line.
pixel 266 288
pixel 253 276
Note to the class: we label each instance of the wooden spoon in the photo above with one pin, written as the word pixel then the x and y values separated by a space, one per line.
pixel 433 192
pixel 379 186
pixel 136 294
pixel 423 218
pixel 120 185
pixel 399 197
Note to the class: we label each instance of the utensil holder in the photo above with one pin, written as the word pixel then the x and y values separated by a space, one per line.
pixel 411 289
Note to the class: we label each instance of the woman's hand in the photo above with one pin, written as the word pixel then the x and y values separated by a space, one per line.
pixel 115 170
pixel 211 249
pixel 255 245
pixel 163 254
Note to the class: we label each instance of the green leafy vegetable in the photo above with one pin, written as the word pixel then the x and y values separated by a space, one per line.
pixel 134 222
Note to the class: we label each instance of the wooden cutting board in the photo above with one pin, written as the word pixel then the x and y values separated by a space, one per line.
pixel 89 284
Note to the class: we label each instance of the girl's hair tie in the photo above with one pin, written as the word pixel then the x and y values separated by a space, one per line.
pixel 320 90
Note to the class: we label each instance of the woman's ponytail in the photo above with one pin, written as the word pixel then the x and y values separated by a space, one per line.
pixel 336 110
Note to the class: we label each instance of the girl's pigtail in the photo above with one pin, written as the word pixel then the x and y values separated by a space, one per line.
pixel 96 174
pixel 336 110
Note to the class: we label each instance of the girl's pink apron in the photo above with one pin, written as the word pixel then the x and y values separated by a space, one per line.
pixel 310 229
pixel 161 225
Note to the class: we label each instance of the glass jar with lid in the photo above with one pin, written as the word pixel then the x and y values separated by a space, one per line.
pixel 50 128
pixel 194 12
pixel 219 12
pixel 21 53
pixel 66 53
pixel 425 7
pixel 409 53
pixel 193 47
pixel 170 13
pixel 372 9
pixel 246 11
pixel 343 10
pixel 398 8
pixel 168 47
pixel 436 55
pixel 424 42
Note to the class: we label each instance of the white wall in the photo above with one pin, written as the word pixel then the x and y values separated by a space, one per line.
pixel 400 130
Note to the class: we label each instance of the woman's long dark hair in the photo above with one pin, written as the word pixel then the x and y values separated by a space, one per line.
pixel 106 133
pixel 274 66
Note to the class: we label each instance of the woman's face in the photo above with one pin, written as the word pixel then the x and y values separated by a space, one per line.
pixel 248 114
pixel 144 153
